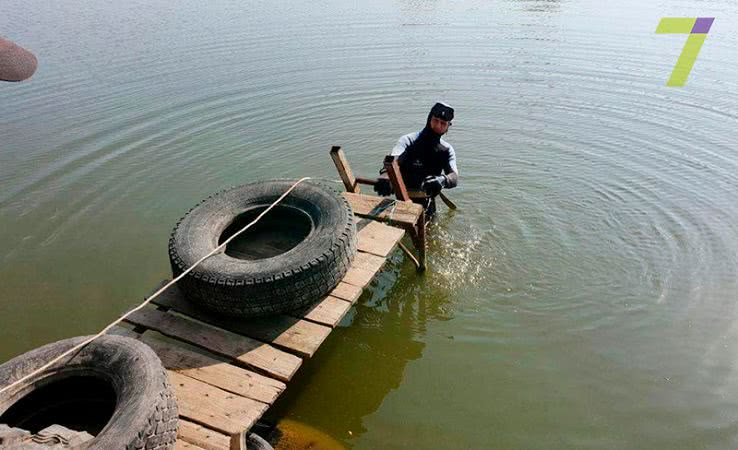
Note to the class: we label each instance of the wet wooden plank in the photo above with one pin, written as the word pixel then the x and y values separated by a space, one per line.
pixel 286 332
pixel 214 372
pixel 202 437
pixel 248 351
pixel 328 312
pixel 381 208
pixel 347 292
pixel 379 239
pixel 217 409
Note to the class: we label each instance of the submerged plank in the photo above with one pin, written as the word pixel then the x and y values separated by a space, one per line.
pixel 201 436
pixel 207 405
pixel 379 239
pixel 249 351
pixel 289 333
pixel 214 372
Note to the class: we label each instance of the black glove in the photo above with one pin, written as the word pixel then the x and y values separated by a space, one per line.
pixel 433 184
pixel 383 186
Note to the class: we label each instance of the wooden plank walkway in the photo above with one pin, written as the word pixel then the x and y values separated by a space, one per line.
pixel 227 372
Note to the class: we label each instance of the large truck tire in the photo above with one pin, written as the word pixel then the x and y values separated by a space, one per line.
pixel 295 255
pixel 114 388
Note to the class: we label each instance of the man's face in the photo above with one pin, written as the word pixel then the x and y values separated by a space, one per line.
pixel 440 126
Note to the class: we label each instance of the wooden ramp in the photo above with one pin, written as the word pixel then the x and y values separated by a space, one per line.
pixel 227 372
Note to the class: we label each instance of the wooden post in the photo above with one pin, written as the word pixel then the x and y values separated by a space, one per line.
pixel 398 185
pixel 238 441
pixel 344 170
pixel 421 240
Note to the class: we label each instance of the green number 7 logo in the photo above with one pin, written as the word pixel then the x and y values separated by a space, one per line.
pixel 696 28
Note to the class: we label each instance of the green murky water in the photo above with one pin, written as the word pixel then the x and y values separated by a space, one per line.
pixel 584 296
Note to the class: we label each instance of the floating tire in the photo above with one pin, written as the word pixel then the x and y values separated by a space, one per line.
pixel 295 255
pixel 115 388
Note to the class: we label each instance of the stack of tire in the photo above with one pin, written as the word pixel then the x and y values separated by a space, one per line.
pixel 114 392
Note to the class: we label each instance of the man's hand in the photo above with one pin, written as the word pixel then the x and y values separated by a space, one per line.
pixel 433 184
pixel 383 186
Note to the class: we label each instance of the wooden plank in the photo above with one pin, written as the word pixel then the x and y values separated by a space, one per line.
pixel 358 277
pixel 347 292
pixel 202 437
pixel 214 372
pixel 182 445
pixel 123 331
pixel 393 171
pixel 369 262
pixel 207 405
pixel 344 170
pixel 328 311
pixel 379 239
pixel 221 342
pixel 382 209
pixel 289 333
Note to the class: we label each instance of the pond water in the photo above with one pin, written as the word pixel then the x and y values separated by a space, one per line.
pixel 584 294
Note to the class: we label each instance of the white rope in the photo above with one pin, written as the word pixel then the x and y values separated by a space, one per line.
pixel 156 294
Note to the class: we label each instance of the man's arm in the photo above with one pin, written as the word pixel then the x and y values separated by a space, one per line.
pixel 403 143
pixel 451 171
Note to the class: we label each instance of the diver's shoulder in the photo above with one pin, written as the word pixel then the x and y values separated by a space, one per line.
pixel 448 147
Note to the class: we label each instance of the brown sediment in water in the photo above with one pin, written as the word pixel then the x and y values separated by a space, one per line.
pixel 293 435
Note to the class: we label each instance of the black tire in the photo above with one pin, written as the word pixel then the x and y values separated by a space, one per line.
pixel 279 283
pixel 256 442
pixel 113 377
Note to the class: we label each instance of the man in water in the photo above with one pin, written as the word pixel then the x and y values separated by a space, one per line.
pixel 427 162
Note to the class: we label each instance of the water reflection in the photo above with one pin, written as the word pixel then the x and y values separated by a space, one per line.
pixel 366 360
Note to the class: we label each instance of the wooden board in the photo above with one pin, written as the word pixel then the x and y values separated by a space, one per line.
pixel 379 239
pixel 347 292
pixel 384 209
pixel 328 312
pixel 289 333
pixel 122 331
pixel 214 372
pixel 182 445
pixel 201 437
pixel 248 351
pixel 367 261
pixel 358 277
pixel 207 405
